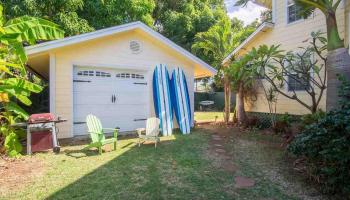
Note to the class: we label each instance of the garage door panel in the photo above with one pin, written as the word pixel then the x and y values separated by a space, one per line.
pixel 130 86
pixel 128 111
pixel 131 98
pixel 82 98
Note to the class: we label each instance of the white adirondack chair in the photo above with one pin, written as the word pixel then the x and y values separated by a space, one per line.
pixel 151 131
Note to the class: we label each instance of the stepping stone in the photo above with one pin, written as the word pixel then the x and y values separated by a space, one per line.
pixel 228 166
pixel 226 157
pixel 218 145
pixel 243 182
pixel 220 150
pixel 217 138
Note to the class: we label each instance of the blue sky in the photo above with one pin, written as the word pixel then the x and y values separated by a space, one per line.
pixel 247 14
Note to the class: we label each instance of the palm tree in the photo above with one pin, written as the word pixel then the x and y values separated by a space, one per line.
pixel 216 43
pixel 243 81
pixel 338 58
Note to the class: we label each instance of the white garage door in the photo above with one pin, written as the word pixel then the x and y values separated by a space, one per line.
pixel 119 98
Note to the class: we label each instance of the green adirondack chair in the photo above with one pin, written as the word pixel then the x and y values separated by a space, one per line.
pixel 97 134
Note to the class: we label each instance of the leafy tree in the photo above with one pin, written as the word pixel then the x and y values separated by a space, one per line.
pixel 215 44
pixel 338 58
pixel 182 20
pixel 308 74
pixel 243 79
pixel 14 84
pixel 62 12
pixel 107 13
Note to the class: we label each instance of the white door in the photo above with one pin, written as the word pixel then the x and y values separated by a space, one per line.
pixel 119 98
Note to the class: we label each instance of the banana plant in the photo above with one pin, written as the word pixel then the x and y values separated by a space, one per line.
pixel 14 84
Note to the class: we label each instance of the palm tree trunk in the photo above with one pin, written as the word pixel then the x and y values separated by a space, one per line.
pixel 227 90
pixel 241 115
pixel 338 61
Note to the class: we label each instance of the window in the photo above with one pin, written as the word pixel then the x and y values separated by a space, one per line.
pixel 297 83
pixel 85 73
pixel 128 75
pixel 292 12
pixel 103 74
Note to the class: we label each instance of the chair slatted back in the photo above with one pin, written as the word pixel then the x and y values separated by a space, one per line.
pixel 152 126
pixel 95 128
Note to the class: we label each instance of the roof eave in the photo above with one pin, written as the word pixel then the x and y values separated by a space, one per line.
pixel 264 3
pixel 30 50
pixel 260 29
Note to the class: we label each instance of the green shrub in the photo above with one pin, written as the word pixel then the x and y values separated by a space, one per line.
pixel 283 123
pixel 312 118
pixel 326 146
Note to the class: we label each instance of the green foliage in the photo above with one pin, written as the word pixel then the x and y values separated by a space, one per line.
pixel 181 21
pixel 312 118
pixel 62 12
pixel 106 13
pixel 12 145
pixel 14 84
pixel 326 146
pixel 283 123
pixel 278 67
pixel 178 20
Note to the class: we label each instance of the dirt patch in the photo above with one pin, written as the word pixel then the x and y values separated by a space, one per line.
pixel 243 182
pixel 17 173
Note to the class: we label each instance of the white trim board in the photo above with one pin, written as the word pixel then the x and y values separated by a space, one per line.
pixel 52 83
pixel 30 50
pixel 261 28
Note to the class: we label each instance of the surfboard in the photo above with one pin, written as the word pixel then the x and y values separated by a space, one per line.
pixel 181 100
pixel 162 99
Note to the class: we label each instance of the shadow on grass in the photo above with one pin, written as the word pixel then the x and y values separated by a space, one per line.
pixel 175 169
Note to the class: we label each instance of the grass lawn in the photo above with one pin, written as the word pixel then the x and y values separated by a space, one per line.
pixel 208 116
pixel 180 168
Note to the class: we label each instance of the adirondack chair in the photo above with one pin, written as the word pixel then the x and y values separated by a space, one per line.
pixel 97 134
pixel 152 131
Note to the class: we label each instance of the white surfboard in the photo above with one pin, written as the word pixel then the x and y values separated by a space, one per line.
pixel 162 100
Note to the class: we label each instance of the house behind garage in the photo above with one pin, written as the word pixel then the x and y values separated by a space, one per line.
pixel 108 73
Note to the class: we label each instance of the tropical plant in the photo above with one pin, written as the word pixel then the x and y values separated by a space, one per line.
pixel 271 96
pixel 324 145
pixel 218 42
pixel 63 12
pixel 306 74
pixel 14 84
pixel 338 58
pixel 243 78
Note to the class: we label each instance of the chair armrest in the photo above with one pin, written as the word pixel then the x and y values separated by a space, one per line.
pixel 115 131
pixel 140 130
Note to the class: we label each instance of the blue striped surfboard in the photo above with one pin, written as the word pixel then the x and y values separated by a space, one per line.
pixel 162 100
pixel 181 100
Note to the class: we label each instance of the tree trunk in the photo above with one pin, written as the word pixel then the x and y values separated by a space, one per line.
pixel 338 61
pixel 241 115
pixel 334 41
pixel 227 90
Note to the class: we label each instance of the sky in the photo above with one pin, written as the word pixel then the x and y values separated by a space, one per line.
pixel 247 14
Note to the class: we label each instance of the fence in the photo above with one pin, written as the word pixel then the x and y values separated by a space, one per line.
pixel 217 97
pixel 264 119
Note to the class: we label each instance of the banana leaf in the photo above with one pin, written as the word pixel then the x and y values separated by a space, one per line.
pixel 31 29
